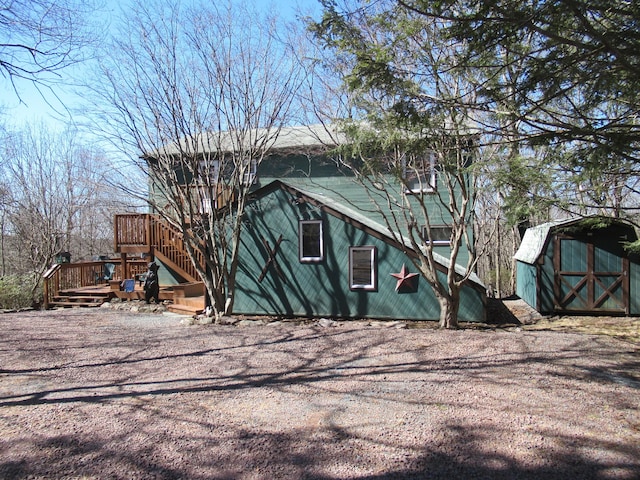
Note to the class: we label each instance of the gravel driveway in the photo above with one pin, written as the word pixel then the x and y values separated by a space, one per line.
pixel 99 394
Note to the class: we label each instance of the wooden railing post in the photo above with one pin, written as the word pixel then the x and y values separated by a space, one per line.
pixel 49 275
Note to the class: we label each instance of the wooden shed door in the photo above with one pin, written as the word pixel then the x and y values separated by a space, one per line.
pixel 590 275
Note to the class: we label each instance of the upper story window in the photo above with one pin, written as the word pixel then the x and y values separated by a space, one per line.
pixel 251 174
pixel 310 239
pixel 440 234
pixel 419 173
pixel 208 171
pixel 363 273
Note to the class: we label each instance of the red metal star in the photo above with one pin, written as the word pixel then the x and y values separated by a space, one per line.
pixel 404 278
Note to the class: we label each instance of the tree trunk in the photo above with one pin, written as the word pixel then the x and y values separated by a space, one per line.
pixel 449 307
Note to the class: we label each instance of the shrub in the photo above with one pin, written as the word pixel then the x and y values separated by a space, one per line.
pixel 15 292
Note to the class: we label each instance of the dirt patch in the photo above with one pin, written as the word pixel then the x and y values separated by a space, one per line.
pixel 515 312
pixel 102 394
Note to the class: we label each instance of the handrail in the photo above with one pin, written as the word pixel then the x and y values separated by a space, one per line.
pixel 170 242
pixel 150 232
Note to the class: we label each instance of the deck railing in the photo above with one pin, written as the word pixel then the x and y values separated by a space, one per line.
pixel 131 230
pixel 69 276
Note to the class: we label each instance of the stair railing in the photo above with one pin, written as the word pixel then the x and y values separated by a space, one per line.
pixel 148 232
pixel 169 241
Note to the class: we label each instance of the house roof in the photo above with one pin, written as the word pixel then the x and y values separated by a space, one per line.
pixel 293 139
pixel 297 139
pixel 357 217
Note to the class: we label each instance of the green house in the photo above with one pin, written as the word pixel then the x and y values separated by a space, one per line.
pixel 579 266
pixel 313 243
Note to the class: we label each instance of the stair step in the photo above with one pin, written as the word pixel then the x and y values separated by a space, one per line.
pixel 60 303
pixel 184 309
pixel 80 298
pixel 196 302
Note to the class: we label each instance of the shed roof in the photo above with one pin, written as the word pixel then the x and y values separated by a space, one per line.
pixel 534 240
pixel 536 237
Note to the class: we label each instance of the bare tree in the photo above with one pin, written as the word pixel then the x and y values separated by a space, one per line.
pixel 413 142
pixel 201 94
pixel 52 181
pixel 40 38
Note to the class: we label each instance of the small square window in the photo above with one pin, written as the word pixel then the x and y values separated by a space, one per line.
pixel 362 268
pixel 440 234
pixel 311 244
pixel 419 173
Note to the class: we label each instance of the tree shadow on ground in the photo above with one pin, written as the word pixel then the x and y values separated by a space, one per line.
pixel 311 403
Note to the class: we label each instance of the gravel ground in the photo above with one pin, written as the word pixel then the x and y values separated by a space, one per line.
pixel 100 394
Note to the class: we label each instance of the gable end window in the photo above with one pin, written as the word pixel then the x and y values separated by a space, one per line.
pixel 310 240
pixel 419 173
pixel 363 268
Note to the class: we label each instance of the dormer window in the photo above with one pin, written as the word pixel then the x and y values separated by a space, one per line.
pixel 419 173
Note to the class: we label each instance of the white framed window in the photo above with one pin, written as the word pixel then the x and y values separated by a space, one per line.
pixel 419 173
pixel 310 240
pixel 251 174
pixel 208 171
pixel 440 234
pixel 363 268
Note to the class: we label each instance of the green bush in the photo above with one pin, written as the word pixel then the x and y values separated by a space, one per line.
pixel 15 292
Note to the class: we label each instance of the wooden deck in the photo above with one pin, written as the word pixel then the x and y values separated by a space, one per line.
pixel 137 238
pixel 93 296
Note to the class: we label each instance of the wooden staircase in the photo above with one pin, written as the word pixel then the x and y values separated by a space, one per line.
pixel 92 296
pixel 188 298
pixel 149 234
pixel 74 284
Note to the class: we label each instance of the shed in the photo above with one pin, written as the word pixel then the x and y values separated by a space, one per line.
pixel 579 266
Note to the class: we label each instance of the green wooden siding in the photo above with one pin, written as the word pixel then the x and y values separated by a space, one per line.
pixel 546 277
pixel 322 175
pixel 634 285
pixel 293 288
pixel 526 285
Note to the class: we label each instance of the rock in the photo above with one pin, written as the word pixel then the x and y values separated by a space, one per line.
pixel 204 320
pixel 249 323
pixel 226 320
pixel 326 322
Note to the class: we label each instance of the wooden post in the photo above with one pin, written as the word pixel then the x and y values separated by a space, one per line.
pixel 125 265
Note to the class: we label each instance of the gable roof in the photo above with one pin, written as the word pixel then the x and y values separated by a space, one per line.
pixel 354 217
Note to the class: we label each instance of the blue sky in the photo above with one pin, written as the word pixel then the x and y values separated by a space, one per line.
pixel 51 109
